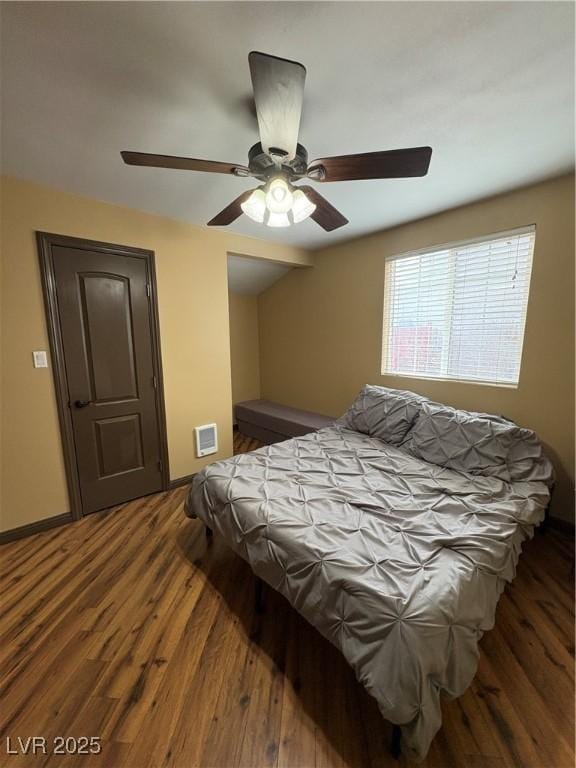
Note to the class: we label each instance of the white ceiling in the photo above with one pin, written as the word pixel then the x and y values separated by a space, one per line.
pixel 488 85
pixel 252 276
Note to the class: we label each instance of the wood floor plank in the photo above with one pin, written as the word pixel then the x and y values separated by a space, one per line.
pixel 552 738
pixel 514 734
pixel 131 626
pixel 483 738
pixel 216 666
pixel 297 737
pixel 260 739
pixel 152 745
pixel 230 710
pixel 530 646
pixel 152 659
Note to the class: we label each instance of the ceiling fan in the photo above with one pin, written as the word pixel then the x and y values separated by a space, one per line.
pixel 279 161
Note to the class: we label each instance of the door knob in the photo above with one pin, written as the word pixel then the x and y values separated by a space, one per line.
pixel 81 403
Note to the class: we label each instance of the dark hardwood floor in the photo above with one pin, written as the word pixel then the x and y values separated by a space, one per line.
pixel 128 625
pixel 243 444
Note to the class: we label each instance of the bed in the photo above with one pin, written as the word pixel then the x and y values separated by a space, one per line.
pixel 393 532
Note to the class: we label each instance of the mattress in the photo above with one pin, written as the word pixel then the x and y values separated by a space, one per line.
pixel 397 560
pixel 279 419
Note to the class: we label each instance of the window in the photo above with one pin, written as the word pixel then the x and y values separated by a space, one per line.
pixel 458 311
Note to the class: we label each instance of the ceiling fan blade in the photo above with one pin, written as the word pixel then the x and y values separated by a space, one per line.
pixel 183 163
pixel 278 86
pixel 328 217
pixel 393 164
pixel 231 212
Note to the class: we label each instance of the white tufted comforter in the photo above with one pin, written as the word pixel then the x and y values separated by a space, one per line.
pixel 397 561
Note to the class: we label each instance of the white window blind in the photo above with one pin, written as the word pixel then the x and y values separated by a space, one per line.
pixel 459 311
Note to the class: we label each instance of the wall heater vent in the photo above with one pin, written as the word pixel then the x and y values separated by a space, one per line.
pixel 206 439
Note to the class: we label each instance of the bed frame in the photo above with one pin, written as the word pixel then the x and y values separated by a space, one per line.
pixel 260 606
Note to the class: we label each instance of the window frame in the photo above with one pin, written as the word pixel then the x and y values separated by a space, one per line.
pixel 528 229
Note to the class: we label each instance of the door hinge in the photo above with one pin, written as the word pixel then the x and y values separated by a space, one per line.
pixel 160 465
pixel 154 382
pixel 148 290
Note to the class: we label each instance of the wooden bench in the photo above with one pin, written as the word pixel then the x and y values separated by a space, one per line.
pixel 271 422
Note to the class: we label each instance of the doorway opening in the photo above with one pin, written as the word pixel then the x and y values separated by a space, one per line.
pixel 248 278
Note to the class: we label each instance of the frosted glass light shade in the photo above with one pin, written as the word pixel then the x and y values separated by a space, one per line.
pixel 278 220
pixel 279 197
pixel 255 206
pixel 301 207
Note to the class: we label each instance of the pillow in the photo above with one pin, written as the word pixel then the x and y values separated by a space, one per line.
pixel 476 443
pixel 527 460
pixel 387 414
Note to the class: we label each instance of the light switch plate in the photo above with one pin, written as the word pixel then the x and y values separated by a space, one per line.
pixel 40 359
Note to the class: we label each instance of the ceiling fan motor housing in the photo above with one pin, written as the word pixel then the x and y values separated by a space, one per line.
pixel 263 165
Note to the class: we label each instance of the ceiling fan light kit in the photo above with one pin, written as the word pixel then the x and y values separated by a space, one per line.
pixel 278 204
pixel 279 161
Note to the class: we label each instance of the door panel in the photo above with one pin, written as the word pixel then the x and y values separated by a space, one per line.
pixel 106 310
pixel 105 323
pixel 119 444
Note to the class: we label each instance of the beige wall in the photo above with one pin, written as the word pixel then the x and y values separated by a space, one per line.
pixel 244 347
pixel 193 308
pixel 320 336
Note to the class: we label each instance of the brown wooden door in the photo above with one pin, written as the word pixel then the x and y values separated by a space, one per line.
pixel 106 325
